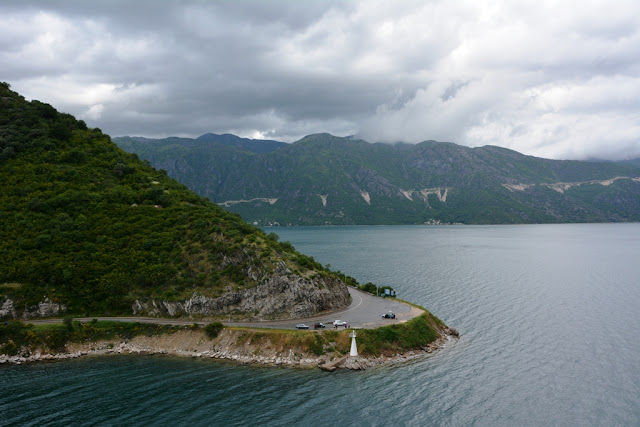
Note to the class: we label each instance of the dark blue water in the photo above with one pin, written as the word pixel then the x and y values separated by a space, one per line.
pixel 550 336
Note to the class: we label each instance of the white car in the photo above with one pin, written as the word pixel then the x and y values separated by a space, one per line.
pixel 338 323
pixel 301 326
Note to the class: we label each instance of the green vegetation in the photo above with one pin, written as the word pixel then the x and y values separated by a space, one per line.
pixel 89 226
pixel 370 288
pixel 344 170
pixel 213 329
pixel 412 335
pixel 15 335
pixel 373 289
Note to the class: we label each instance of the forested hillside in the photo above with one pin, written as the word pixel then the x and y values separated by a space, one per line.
pixel 91 229
pixel 324 179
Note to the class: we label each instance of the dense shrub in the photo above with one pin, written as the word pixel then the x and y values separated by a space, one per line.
pixel 413 334
pixel 369 287
pixel 213 329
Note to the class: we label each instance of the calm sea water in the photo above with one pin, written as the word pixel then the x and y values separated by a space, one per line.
pixel 550 324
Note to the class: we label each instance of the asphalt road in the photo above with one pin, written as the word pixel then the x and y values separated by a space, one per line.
pixel 365 311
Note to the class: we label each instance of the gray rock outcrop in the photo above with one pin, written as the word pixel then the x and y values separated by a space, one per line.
pixel 46 308
pixel 282 296
pixel 7 309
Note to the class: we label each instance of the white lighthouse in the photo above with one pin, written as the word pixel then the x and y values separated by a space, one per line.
pixel 354 348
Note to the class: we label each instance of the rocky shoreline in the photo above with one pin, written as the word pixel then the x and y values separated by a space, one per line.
pixel 195 344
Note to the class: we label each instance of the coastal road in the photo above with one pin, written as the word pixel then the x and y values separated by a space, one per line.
pixel 365 311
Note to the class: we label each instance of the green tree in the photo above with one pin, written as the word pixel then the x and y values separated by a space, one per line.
pixel 213 329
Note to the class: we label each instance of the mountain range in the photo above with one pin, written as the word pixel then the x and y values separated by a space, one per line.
pixel 328 180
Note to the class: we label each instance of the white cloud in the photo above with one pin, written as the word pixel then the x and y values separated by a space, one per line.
pixel 94 112
pixel 549 78
pixel 530 79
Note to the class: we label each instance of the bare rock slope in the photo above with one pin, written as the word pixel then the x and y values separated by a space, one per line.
pixel 283 296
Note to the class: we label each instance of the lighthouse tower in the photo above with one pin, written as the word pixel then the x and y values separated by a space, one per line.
pixel 354 348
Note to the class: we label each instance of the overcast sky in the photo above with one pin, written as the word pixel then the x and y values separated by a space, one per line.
pixel 556 79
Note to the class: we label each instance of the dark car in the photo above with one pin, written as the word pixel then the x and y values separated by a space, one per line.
pixel 389 316
pixel 319 325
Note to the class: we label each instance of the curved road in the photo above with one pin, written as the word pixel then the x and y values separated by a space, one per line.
pixel 365 311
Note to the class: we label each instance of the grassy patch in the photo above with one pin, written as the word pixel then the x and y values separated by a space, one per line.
pixel 411 335
pixel 430 315
pixel 15 335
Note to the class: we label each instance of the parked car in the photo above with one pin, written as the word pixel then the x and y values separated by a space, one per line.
pixel 301 326
pixel 338 323
pixel 319 325
pixel 389 315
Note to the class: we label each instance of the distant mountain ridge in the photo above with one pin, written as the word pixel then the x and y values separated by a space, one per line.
pixel 253 145
pixel 323 179
pixel 634 162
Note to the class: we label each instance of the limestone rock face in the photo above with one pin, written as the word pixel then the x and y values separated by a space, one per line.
pixel 282 296
pixel 46 308
pixel 7 309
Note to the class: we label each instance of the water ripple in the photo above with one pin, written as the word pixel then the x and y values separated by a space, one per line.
pixel 548 316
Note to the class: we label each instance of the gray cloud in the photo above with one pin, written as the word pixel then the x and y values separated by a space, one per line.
pixel 552 79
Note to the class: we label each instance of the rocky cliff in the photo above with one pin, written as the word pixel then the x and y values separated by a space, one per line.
pixel 283 296
pixel 46 308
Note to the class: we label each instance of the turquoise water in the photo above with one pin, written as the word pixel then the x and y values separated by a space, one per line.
pixel 550 336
